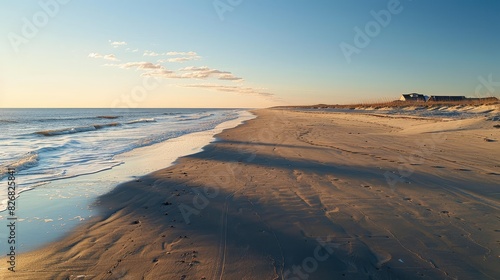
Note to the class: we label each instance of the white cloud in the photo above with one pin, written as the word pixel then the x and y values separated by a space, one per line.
pixel 95 55
pixel 229 77
pixel 205 72
pixel 162 73
pixel 107 56
pixel 151 69
pixel 131 50
pixel 182 54
pixel 195 68
pixel 233 89
pixel 150 53
pixel 116 44
pixel 141 65
pixel 192 72
pixel 181 59
pixel 110 57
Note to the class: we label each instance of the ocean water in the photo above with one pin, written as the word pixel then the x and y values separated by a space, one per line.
pixel 50 144
pixel 65 158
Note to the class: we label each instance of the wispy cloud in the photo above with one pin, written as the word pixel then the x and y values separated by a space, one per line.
pixel 205 72
pixel 161 73
pixel 229 77
pixel 106 56
pixel 192 72
pixel 110 57
pixel 233 89
pixel 181 59
pixel 151 69
pixel 117 44
pixel 140 65
pixel 131 50
pixel 150 53
pixel 95 55
pixel 182 54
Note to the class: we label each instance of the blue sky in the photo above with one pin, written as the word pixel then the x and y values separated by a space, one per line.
pixel 242 53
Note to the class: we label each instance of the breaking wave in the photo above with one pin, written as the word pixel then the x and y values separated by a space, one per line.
pixel 25 162
pixel 72 130
pixel 184 118
pixel 141 121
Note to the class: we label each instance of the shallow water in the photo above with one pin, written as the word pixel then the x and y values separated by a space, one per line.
pixel 65 180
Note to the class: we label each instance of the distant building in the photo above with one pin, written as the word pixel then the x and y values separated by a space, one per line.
pixel 447 98
pixel 413 97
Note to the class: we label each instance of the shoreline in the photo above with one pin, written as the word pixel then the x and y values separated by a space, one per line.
pixel 299 189
pixel 32 163
pixel 52 210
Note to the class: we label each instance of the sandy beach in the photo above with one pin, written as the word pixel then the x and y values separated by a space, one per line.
pixel 301 195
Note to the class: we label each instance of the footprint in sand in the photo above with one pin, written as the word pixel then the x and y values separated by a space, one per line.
pixel 382 257
pixel 446 212
pixel 330 212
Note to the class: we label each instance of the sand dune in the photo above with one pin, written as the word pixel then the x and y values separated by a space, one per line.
pixel 291 195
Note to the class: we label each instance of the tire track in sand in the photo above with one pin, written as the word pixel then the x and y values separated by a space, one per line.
pixel 221 259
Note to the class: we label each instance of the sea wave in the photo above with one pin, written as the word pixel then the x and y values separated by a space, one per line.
pixel 69 156
pixel 173 113
pixel 31 159
pixel 24 162
pixel 141 121
pixel 108 117
pixel 195 118
pixel 72 130
pixel 100 126
pixel 8 121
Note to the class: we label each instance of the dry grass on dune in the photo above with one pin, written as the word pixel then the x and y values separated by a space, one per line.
pixel 402 104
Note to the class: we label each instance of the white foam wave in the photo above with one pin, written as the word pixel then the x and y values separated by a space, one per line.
pixel 141 121
pixel 25 162
pixel 72 130
pixel 204 116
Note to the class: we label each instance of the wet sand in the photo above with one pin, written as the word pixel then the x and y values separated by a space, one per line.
pixel 301 195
